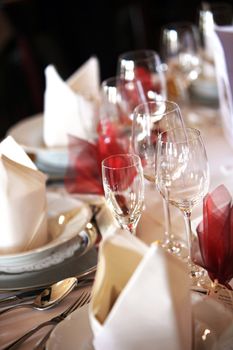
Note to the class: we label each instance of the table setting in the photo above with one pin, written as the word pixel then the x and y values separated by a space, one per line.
pixel 117 214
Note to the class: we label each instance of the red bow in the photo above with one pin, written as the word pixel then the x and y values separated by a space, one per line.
pixel 84 170
pixel 215 235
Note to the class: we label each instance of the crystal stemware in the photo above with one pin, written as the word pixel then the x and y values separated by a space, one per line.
pixel 124 188
pixel 183 176
pixel 150 119
pixel 144 66
pixel 180 50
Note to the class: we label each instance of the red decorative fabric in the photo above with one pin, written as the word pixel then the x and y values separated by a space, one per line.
pixel 84 171
pixel 215 235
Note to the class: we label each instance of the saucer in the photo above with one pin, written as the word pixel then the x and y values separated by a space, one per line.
pixel 213 328
pixel 67 220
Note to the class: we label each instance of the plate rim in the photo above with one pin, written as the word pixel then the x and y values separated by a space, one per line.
pixel 46 248
pixel 36 118
pixel 26 280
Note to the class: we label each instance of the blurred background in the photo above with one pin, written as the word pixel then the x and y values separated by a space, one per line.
pixel 35 33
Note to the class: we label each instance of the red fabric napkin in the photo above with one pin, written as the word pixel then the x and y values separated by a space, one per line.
pixel 215 236
pixel 84 170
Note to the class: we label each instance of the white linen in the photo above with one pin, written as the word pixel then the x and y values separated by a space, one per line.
pixel 150 228
pixel 222 42
pixel 69 107
pixel 23 224
pixel 140 297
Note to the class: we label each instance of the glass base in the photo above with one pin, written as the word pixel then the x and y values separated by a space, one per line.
pixel 173 247
pixel 199 278
pixel 195 271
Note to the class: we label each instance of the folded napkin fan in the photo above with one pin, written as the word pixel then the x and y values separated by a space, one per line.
pixel 140 297
pixel 70 107
pixel 23 222
pixel 215 236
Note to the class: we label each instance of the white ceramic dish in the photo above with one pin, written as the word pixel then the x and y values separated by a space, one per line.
pixel 28 133
pixel 67 219
pixel 74 265
pixel 213 328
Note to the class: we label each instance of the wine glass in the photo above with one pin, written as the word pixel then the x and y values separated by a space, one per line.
pixel 118 101
pixel 116 112
pixel 143 66
pixel 114 128
pixel 124 188
pixel 150 119
pixel 180 50
pixel 183 176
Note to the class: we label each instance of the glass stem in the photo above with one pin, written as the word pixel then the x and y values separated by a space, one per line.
pixel 131 228
pixel 187 220
pixel 167 216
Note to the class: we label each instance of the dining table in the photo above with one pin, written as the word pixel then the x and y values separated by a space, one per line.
pixel 150 228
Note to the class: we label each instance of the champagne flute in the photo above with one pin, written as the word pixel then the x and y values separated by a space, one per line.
pixel 150 119
pixel 183 176
pixel 124 188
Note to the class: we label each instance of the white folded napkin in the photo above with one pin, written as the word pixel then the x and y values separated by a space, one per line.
pixel 70 107
pixel 140 299
pixel 222 42
pixel 23 208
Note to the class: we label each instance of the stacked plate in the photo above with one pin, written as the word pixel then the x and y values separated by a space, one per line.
pixel 28 133
pixel 69 250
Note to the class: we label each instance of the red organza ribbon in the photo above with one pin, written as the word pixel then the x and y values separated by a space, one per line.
pixel 215 236
pixel 84 170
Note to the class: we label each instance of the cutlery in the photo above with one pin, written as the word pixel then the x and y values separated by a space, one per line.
pixel 29 293
pixel 50 296
pixel 53 294
pixel 83 299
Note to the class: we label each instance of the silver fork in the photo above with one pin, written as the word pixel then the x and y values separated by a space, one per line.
pixel 83 299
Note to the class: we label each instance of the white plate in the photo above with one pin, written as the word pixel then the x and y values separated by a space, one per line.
pixel 28 133
pixel 213 328
pixel 64 239
pixel 76 264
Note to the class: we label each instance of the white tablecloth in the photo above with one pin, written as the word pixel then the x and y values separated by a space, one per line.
pixel 151 225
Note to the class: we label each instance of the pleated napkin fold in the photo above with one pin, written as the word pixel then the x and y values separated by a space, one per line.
pixel 23 206
pixel 70 107
pixel 140 298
